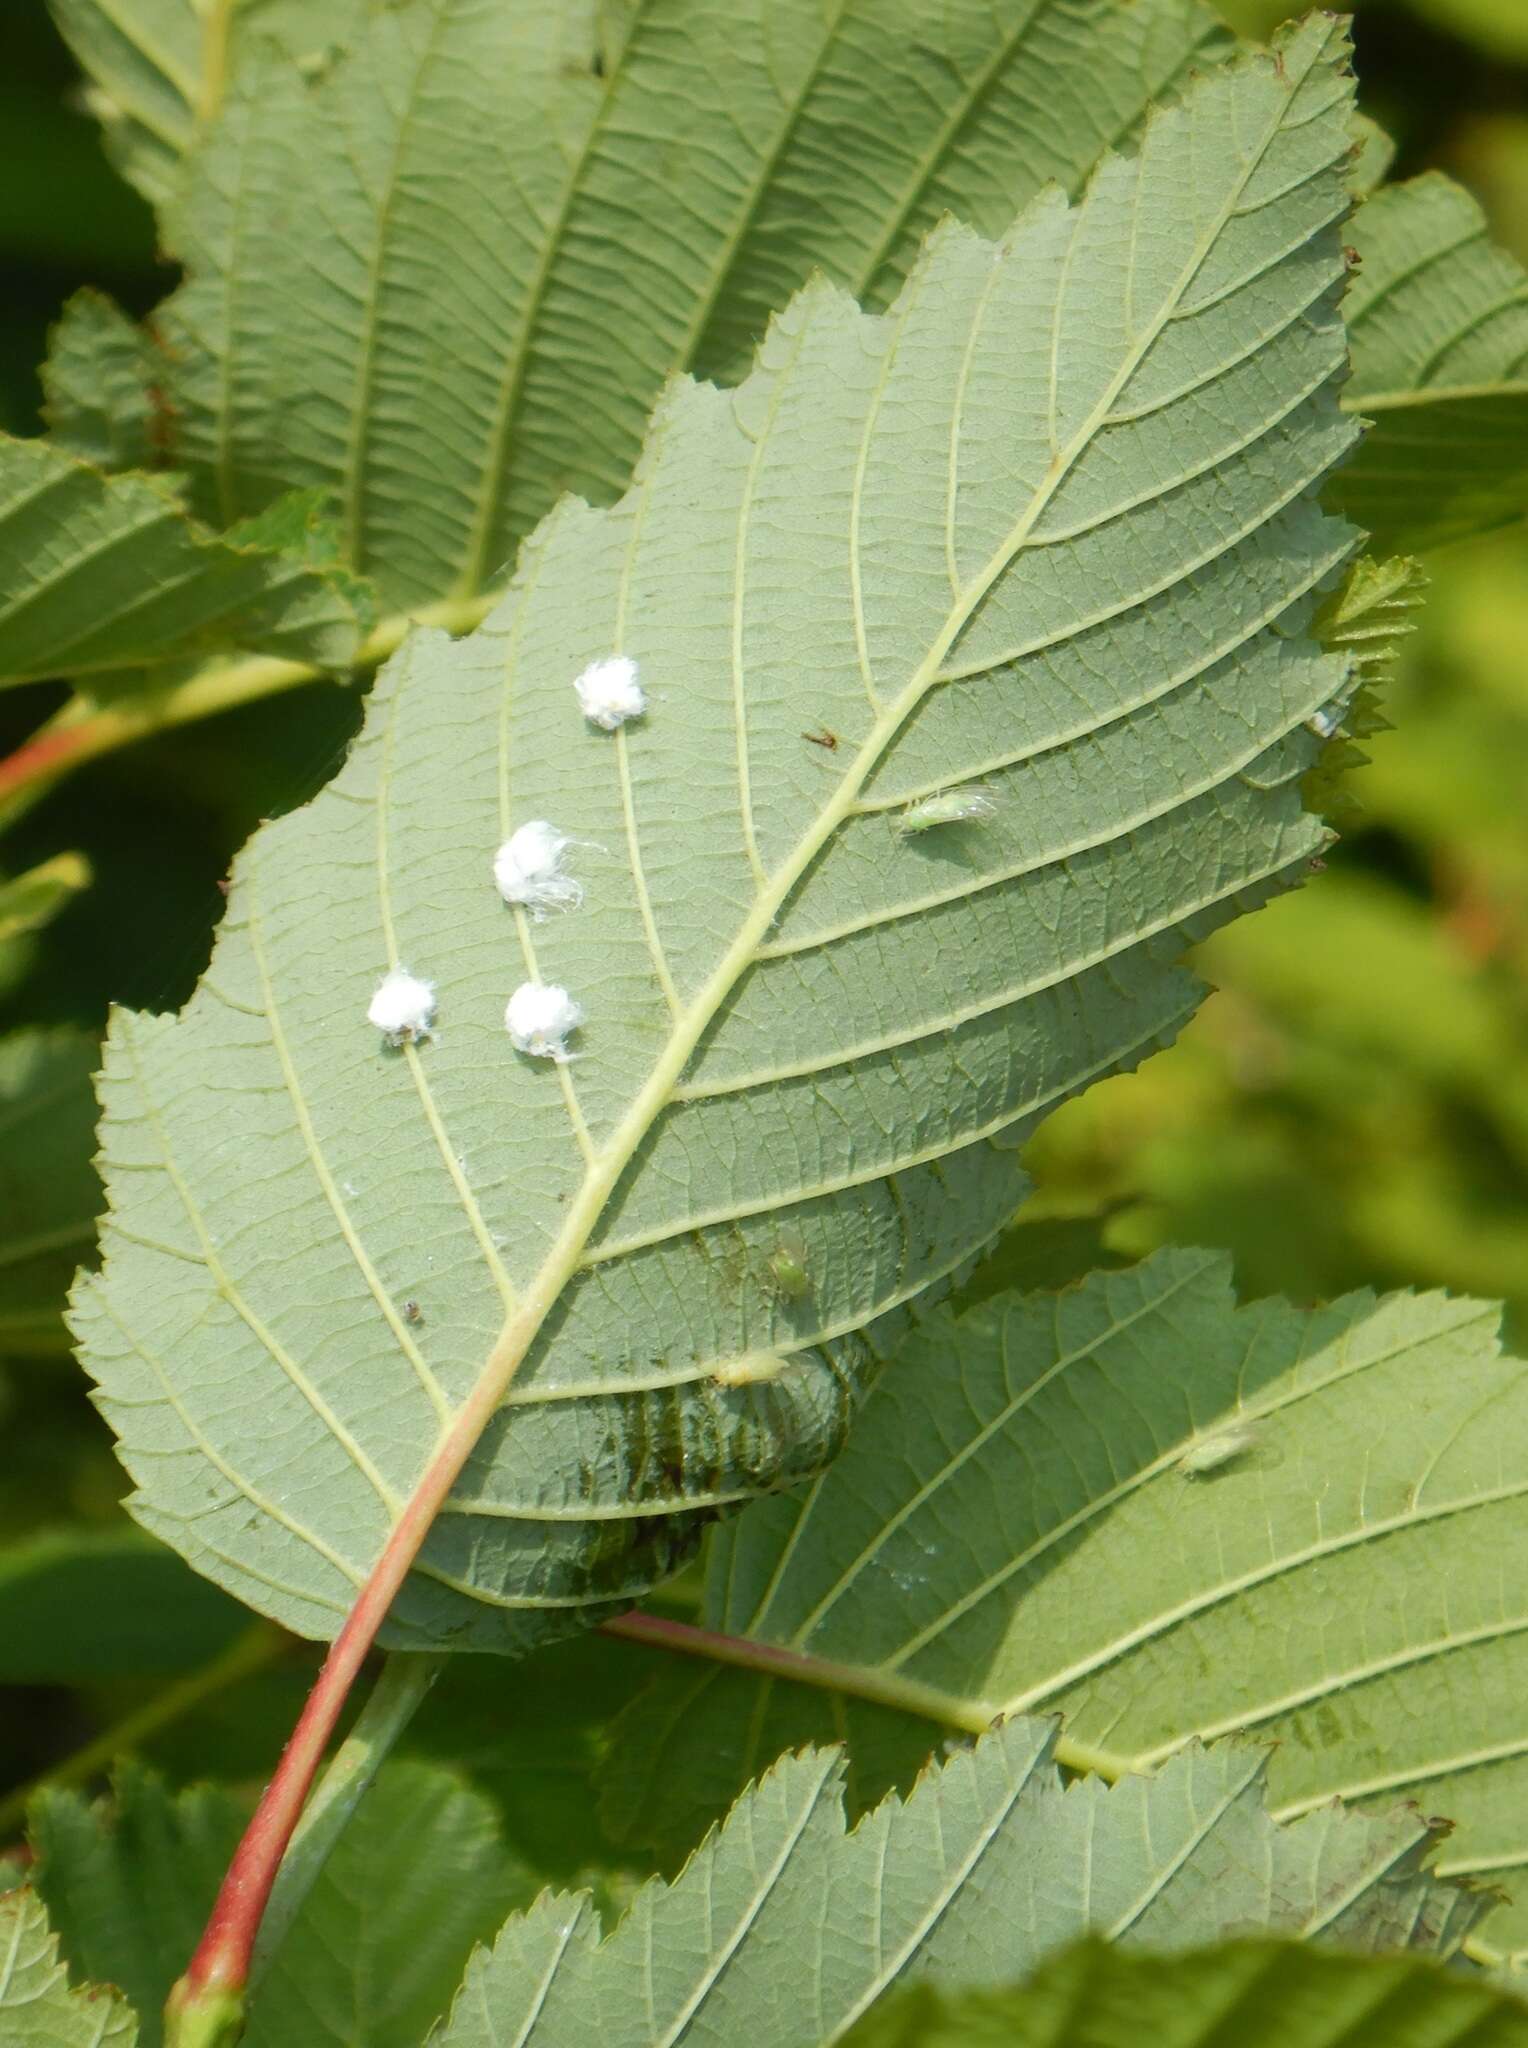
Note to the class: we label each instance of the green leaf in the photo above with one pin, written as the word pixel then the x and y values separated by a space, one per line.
pixel 533 1746
pixel 1438 316
pixel 159 66
pixel 1049 522
pixel 1368 618
pixel 30 901
pixel 784 1928
pixel 107 573
pixel 417 1878
pixel 128 1887
pixel 565 235
pixel 1274 1994
pixel 146 61
pixel 1011 1528
pixel 49 1191
pixel 1499 28
pixel 80 1605
pixel 1376 154
pixel 37 2007
pixel 98 386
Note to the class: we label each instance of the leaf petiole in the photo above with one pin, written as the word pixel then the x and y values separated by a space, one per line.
pixel 393 1702
pixel 858 1681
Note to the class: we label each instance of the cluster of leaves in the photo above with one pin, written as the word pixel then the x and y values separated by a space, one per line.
pixel 1347 1109
pixel 1056 506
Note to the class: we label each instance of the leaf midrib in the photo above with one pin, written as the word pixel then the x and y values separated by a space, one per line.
pixel 887 1971
pixel 718 1958
pixel 1436 394
pixel 584 1210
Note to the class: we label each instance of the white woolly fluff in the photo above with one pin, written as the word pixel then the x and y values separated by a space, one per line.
pixel 528 869
pixel 539 1018
pixel 403 1007
pixel 609 693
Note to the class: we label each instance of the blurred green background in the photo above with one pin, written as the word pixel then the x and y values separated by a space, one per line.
pixel 1351 1108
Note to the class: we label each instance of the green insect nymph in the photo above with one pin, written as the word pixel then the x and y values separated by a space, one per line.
pixel 964 806
pixel 787 1267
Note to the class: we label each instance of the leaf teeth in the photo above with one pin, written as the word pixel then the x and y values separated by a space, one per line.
pixel 1016 1462
pixel 985 1867
pixel 38 2006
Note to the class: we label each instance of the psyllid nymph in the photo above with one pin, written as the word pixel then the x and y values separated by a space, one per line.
pixel 528 870
pixel 540 1017
pixel 788 1268
pixel 964 806
pixel 1208 1453
pixel 608 692
pixel 403 1008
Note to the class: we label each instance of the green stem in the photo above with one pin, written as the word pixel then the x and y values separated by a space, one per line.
pixel 859 1681
pixel 395 1698
pixel 84 730
pixel 254 1650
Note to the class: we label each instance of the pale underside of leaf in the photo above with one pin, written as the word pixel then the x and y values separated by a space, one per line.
pixel 1049 522
pixel 785 1929
pixel 1011 1528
